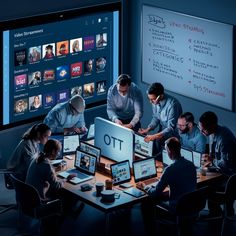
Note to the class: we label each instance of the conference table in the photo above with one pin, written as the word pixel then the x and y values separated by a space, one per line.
pixel 123 200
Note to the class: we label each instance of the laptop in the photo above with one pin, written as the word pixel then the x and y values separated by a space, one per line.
pixel 59 137
pixel 187 154
pixel 91 149
pixel 145 171
pixel 142 149
pixel 85 167
pixel 91 132
pixel 120 172
pixel 70 143
pixel 197 159
pixel 165 158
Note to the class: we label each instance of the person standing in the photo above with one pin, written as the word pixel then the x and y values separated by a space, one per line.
pixel 125 103
pixel 67 117
pixel 166 110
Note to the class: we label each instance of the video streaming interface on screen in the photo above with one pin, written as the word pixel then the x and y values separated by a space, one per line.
pixel 143 147
pixel 85 162
pixel 120 172
pixel 46 64
pixel 144 168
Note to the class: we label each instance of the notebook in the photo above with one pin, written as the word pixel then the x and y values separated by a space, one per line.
pixel 59 137
pixel 70 143
pixel 145 171
pixel 85 167
pixel 120 172
pixel 91 149
pixel 142 149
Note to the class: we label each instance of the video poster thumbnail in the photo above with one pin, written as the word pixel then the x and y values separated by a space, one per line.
pixel 63 73
pixel 49 99
pixel 34 54
pixel 76 45
pixel 76 69
pixel 76 91
pixel 48 51
pixel 100 64
pixel 101 87
pixel 88 43
pixel 20 82
pixel 21 106
pixel 35 102
pixel 88 66
pixel 62 48
pixel 101 40
pixel 34 78
pixel 88 90
pixel 20 57
pixel 48 75
pixel 62 96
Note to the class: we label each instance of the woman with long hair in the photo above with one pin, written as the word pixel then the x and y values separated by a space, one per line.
pixel 28 149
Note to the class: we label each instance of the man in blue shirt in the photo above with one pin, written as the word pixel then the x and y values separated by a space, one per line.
pixel 190 135
pixel 67 117
pixel 125 103
pixel 166 110
pixel 222 155
pixel 180 177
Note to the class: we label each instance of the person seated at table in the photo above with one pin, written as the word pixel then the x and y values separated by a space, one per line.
pixel 41 173
pixel 180 177
pixel 222 155
pixel 190 135
pixel 28 149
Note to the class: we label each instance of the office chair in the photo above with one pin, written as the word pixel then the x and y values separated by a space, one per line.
pixel 8 185
pixel 186 214
pixel 30 204
pixel 229 195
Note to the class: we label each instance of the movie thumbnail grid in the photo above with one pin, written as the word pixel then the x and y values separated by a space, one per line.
pixel 49 51
pixel 60 73
pixel 50 99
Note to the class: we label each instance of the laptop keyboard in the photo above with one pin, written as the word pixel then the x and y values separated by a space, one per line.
pixel 81 175
pixel 150 181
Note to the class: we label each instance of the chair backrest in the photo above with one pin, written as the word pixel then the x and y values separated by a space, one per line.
pixel 230 189
pixel 191 203
pixel 8 181
pixel 26 195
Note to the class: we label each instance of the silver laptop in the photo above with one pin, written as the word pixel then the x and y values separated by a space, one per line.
pixel 85 167
pixel 197 159
pixel 187 154
pixel 70 144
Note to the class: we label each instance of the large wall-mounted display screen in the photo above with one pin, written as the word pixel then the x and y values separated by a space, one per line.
pixel 47 59
pixel 190 56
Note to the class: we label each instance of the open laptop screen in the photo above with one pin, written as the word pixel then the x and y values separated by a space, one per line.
pixel 187 154
pixel 91 149
pixel 144 169
pixel 71 142
pixel 142 147
pixel 91 131
pixel 85 162
pixel 197 159
pixel 166 159
pixel 120 172
pixel 59 137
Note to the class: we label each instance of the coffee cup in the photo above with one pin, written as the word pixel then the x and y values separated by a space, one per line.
pixel 99 188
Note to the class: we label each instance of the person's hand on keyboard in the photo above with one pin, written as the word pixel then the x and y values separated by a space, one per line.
pixel 70 176
pixel 140 185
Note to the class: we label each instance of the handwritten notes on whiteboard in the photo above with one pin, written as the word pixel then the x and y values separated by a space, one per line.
pixel 188 55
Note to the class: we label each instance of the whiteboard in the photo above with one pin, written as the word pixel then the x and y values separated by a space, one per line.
pixel 188 55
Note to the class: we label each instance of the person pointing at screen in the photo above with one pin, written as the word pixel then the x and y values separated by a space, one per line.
pixel 166 110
